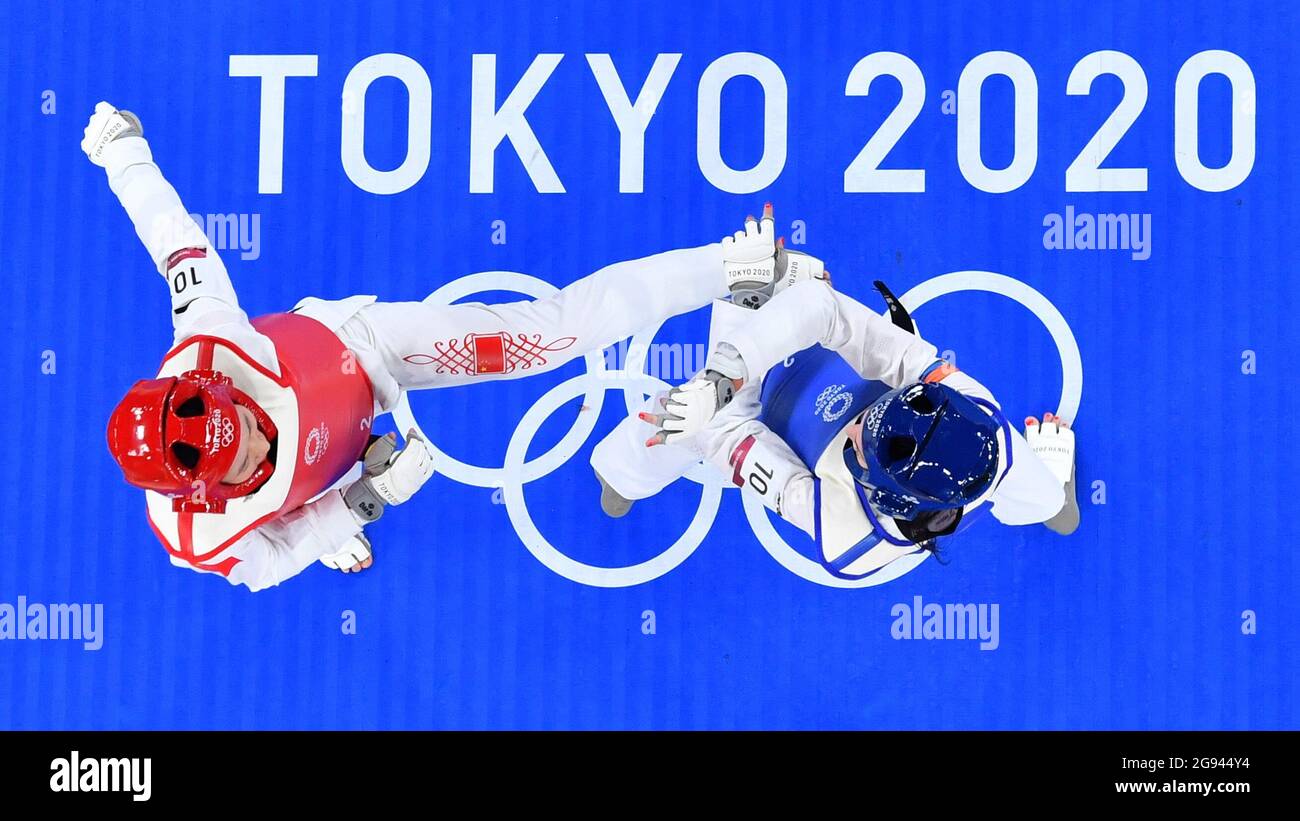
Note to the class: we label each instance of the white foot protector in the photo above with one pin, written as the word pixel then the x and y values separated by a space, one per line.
pixel 1053 442
pixel 614 505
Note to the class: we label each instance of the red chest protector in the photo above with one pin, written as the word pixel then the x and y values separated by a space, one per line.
pixel 321 405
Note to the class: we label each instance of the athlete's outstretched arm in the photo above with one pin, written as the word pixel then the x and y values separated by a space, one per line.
pixel 425 345
pixel 756 459
pixel 1030 493
pixel 284 547
pixel 813 313
pixel 802 315
pixel 202 296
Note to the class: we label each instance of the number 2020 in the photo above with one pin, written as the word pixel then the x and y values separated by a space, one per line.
pixel 1085 172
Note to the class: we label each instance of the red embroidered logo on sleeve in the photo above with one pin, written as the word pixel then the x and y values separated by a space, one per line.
pixel 478 354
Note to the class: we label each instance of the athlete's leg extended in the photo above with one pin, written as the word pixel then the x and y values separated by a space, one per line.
pixel 629 470
pixel 425 345
pixel 633 471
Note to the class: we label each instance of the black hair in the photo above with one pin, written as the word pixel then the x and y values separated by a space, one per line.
pixel 926 529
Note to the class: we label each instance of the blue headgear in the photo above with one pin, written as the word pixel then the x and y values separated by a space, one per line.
pixel 927 448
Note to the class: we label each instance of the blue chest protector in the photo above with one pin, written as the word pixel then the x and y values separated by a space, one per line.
pixel 807 401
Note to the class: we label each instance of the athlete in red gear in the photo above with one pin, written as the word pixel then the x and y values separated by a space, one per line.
pixel 253 441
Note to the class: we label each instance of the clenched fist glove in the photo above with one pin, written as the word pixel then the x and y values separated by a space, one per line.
pixel 355 555
pixel 390 476
pixel 689 407
pixel 108 124
pixel 757 266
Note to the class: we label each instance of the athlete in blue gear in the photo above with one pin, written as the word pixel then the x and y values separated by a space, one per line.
pixel 844 422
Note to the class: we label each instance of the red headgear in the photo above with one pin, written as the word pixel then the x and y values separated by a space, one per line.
pixel 180 436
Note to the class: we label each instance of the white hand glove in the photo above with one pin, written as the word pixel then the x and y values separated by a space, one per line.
pixel 1053 443
pixel 715 440
pixel 405 472
pixel 749 260
pixel 107 124
pixel 757 265
pixel 390 477
pixel 796 266
pixel 688 408
pixel 354 551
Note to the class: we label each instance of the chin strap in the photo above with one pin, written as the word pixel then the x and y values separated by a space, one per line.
pixel 875 520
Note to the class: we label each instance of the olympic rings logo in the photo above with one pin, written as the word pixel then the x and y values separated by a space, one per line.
pixel 318 440
pixel 224 427
pixel 636 385
pixel 833 403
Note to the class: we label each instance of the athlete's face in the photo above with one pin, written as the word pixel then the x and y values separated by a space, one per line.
pixel 253 448
pixel 854 432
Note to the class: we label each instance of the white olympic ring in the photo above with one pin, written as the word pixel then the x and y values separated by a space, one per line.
pixel 517 509
pixel 636 385
pixel 1040 306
